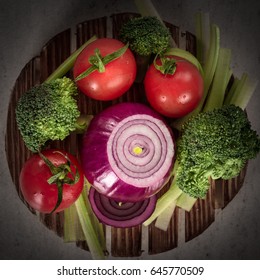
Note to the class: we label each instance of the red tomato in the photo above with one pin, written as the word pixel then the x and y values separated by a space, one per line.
pixel 174 95
pixel 41 195
pixel 119 74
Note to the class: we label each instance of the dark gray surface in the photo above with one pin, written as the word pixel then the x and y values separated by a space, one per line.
pixel 26 26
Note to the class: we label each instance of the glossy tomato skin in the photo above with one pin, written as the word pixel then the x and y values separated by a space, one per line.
pixel 174 95
pixel 42 196
pixel 119 74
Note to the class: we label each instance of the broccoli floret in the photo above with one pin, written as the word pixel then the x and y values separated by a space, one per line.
pixel 146 35
pixel 214 144
pixel 47 112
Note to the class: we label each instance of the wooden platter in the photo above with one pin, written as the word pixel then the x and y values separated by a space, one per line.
pixel 129 242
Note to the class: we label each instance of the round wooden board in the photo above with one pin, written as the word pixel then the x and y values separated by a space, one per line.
pixel 128 242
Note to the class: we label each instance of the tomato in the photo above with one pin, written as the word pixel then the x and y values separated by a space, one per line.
pixel 174 95
pixel 118 76
pixel 43 196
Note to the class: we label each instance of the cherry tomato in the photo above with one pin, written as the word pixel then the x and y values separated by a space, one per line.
pixel 118 76
pixel 43 196
pixel 174 95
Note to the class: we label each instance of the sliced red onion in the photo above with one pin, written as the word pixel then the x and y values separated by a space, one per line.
pixel 128 152
pixel 116 214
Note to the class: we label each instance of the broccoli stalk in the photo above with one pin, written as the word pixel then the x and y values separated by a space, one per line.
pixel 49 111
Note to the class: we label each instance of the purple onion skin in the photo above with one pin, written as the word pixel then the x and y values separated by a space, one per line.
pixel 95 160
pixel 111 213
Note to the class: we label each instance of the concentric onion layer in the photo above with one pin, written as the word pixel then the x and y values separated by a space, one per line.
pixel 140 150
pixel 113 213
pixel 127 152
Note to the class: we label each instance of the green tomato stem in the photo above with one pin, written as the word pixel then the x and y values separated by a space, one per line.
pixel 98 62
pixel 60 176
pixel 168 66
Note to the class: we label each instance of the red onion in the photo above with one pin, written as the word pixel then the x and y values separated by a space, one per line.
pixel 113 213
pixel 128 152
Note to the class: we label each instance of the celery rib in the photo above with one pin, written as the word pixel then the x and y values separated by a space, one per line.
pixel 164 201
pixel 163 220
pixel 186 202
pixel 215 98
pixel 93 242
pixel 72 227
pixel 209 71
pixel 69 62
pixel 241 93
pixel 202 24
pixel 231 91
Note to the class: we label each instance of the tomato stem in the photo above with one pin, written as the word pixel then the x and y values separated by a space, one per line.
pixel 167 66
pixel 98 62
pixel 60 176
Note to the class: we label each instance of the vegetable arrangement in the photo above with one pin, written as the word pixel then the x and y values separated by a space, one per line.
pixel 130 151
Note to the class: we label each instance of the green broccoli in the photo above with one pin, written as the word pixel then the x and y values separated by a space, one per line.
pixel 48 111
pixel 214 144
pixel 146 35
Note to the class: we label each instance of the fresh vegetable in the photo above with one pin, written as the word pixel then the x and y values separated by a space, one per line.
pixel 210 52
pixel 47 112
pixel 173 86
pixel 105 69
pixel 120 215
pixel 241 91
pixel 214 144
pixel 51 181
pixel 128 152
pixel 145 35
pixel 216 94
pixel 92 230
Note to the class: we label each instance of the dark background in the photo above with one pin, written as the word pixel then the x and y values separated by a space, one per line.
pixel 25 26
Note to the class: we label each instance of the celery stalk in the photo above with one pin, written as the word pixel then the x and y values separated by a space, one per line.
pixel 68 63
pixel 146 8
pixel 212 59
pixel 164 201
pixel 209 71
pixel 202 36
pixel 242 92
pixel 186 201
pixel 233 88
pixel 163 220
pixel 94 245
pixel 72 227
pixel 216 95
pixel 97 225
